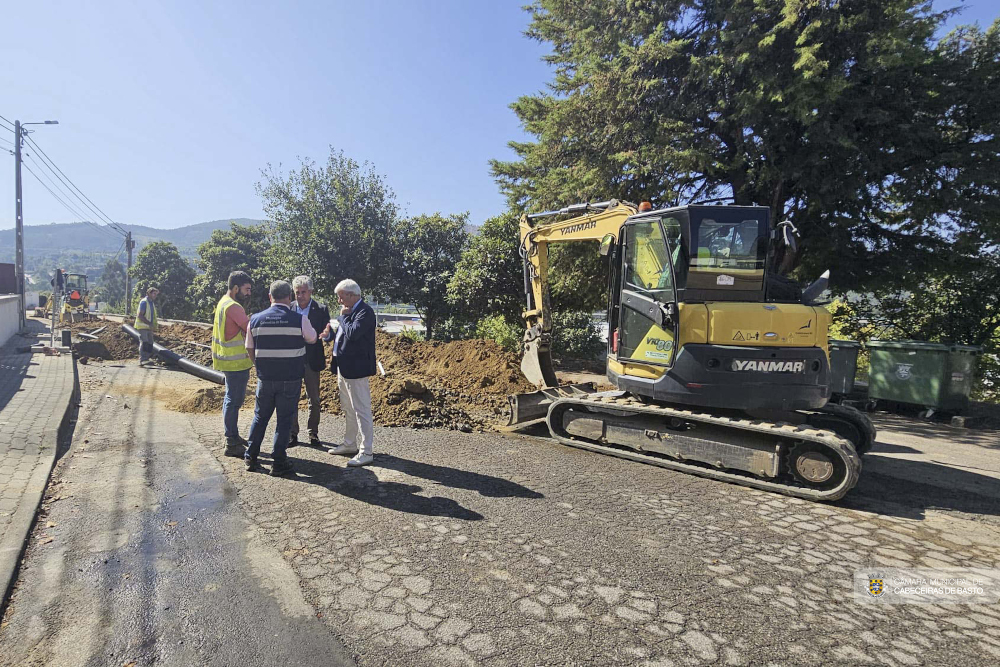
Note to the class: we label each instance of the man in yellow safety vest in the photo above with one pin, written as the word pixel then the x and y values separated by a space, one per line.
pixel 229 355
pixel 145 323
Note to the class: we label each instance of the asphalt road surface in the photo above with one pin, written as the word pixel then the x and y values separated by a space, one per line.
pixel 481 549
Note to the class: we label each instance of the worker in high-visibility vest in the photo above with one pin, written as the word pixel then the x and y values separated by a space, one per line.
pixel 229 355
pixel 146 323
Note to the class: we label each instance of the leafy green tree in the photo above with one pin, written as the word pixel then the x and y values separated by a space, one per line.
pixel 161 264
pixel 427 249
pixel 828 113
pixel 239 248
pixel 334 222
pixel 488 278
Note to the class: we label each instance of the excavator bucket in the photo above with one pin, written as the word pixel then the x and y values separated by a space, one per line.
pixel 536 365
pixel 526 409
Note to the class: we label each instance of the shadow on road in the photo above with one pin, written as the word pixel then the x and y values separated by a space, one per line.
pixel 362 484
pixel 485 485
pixel 884 447
pixel 13 364
pixel 986 438
pixel 906 488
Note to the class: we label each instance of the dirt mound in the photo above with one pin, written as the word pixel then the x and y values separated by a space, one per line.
pixel 458 385
pixel 209 399
pixel 188 341
pixel 111 344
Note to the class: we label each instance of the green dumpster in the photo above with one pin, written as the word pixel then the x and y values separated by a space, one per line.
pixel 843 365
pixel 933 375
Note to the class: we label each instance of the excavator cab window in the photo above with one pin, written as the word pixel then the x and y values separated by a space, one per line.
pixel 728 254
pixel 647 265
pixel 648 284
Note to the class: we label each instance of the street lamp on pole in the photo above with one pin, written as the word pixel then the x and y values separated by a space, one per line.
pixel 19 215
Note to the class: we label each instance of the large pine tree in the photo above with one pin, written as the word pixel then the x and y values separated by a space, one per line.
pixel 844 117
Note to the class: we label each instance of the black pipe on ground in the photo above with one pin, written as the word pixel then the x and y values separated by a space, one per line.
pixel 185 364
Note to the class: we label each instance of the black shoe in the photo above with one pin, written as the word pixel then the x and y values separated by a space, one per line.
pixel 251 465
pixel 282 468
pixel 314 442
pixel 236 451
pixel 293 442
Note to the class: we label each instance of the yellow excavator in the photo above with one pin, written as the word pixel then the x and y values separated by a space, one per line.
pixel 74 300
pixel 721 365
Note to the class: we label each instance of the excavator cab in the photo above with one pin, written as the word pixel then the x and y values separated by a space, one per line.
pixel 689 254
pixel 76 289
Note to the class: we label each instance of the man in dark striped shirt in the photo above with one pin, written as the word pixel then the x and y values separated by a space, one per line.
pixel 276 341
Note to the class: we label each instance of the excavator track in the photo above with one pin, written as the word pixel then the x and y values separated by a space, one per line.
pixel 799 461
pixel 847 422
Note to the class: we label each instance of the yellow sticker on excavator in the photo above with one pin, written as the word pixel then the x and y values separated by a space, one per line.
pixel 746 336
pixel 656 346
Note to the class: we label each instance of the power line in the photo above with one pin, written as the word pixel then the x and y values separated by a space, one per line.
pixel 68 197
pixel 8 122
pixel 67 206
pixel 119 253
pixel 92 206
pixel 70 186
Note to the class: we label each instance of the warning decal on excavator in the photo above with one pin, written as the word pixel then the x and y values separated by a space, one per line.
pixel 741 335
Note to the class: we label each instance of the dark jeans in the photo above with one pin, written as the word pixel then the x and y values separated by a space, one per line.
pixel 236 391
pixel 273 396
pixel 311 381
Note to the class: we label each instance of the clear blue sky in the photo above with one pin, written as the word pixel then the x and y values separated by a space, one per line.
pixel 169 110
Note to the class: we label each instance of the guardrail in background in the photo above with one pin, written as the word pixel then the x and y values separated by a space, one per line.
pixel 9 320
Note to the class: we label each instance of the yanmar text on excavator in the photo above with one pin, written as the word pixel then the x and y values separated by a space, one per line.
pixel 721 365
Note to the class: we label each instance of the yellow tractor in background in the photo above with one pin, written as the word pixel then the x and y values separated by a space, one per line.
pixel 74 300
pixel 721 366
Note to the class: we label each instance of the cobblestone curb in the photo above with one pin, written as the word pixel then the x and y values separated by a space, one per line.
pixel 54 390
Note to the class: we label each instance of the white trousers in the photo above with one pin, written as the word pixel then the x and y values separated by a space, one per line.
pixel 356 401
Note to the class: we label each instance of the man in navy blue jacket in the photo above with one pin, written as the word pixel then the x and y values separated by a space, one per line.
pixel 276 342
pixel 354 362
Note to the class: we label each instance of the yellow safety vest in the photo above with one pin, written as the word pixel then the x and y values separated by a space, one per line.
pixel 228 355
pixel 150 315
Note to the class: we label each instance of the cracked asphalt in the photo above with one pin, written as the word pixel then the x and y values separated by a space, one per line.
pixel 509 550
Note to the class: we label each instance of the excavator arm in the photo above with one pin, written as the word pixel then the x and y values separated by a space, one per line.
pixel 592 222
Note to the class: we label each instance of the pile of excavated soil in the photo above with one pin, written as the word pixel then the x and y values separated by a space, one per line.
pixel 188 341
pixel 111 344
pixel 458 385
pixel 114 344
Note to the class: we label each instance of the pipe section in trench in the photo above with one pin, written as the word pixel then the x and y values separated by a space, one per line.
pixel 185 364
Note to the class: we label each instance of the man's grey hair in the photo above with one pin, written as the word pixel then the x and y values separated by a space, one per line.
pixel 348 286
pixel 302 281
pixel 280 290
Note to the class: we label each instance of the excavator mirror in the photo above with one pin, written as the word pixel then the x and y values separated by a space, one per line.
pixel 606 244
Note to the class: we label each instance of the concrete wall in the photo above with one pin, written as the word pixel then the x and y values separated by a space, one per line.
pixel 9 319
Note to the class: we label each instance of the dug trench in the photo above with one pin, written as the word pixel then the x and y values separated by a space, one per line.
pixel 459 385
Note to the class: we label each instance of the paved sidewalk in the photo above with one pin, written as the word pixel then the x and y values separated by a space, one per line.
pixel 36 398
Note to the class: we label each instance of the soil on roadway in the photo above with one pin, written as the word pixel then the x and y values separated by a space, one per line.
pixel 481 548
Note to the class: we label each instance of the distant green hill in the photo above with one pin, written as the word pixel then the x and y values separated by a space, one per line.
pixel 79 236
pixel 77 246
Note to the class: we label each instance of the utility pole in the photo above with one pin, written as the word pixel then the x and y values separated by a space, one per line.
pixel 19 225
pixel 128 278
